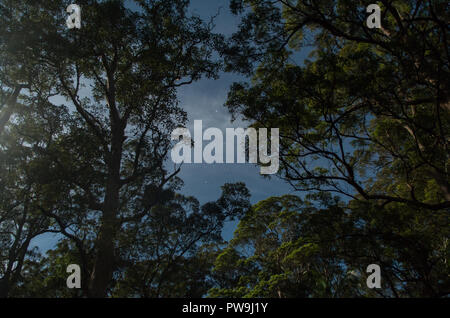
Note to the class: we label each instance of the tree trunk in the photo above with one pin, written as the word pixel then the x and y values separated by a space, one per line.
pixel 104 260
pixel 104 263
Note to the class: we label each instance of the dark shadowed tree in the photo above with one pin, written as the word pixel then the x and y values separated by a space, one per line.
pixel 169 253
pixel 119 74
pixel 20 49
pixel 23 170
pixel 367 116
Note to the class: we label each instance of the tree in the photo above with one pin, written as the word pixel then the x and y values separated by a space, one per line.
pixel 286 247
pixel 365 117
pixel 20 51
pixel 368 116
pixel 22 169
pixel 45 276
pixel 119 73
pixel 169 253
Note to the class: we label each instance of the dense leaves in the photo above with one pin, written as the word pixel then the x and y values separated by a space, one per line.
pixel 367 115
pixel 286 247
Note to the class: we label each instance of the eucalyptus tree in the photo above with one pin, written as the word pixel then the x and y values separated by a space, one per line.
pixel 367 115
pixel 288 247
pixel 23 174
pixel 21 72
pixel 168 253
pixel 119 74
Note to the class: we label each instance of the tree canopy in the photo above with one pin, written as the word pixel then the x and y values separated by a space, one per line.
pixel 366 118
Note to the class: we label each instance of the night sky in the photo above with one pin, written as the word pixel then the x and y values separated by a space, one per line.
pixel 204 101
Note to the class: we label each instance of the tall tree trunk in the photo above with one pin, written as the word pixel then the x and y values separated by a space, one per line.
pixel 104 263
pixel 104 260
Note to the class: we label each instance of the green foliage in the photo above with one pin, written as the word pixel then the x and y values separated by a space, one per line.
pixel 285 247
pixel 367 115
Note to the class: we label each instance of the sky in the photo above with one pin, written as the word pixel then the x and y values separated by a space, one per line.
pixel 204 100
